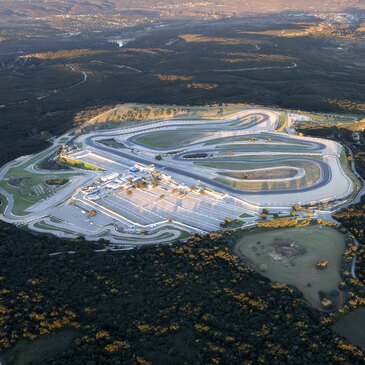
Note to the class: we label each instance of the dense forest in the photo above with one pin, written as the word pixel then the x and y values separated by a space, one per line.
pixel 48 79
pixel 342 133
pixel 353 218
pixel 189 303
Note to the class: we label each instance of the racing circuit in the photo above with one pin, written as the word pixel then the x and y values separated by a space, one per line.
pixel 169 178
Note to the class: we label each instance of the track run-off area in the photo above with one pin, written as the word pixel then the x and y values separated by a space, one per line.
pixel 163 180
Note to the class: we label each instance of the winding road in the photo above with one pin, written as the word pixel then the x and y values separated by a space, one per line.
pixel 326 176
pixel 51 92
pixel 174 163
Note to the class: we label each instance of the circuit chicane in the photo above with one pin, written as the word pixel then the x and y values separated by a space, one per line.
pixel 266 139
pixel 311 177
pixel 246 122
pixel 179 139
pixel 167 137
pixel 263 143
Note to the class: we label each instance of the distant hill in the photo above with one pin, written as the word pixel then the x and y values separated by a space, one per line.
pixel 175 8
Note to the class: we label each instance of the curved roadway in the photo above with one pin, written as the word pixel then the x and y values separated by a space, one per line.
pixel 326 171
pixel 132 139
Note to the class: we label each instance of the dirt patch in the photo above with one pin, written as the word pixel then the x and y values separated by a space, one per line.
pixel 112 143
pixel 57 182
pixel 262 174
pixel 283 248
pixel 18 182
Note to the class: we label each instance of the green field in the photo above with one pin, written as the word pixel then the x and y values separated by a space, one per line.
pixel 29 193
pixel 268 251
pixel 245 215
pixel 30 352
pixel 170 139
pixel 352 326
pixel 29 188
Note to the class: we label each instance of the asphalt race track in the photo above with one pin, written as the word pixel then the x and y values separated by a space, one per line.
pixel 213 156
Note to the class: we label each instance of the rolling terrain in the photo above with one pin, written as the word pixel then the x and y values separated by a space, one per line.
pixel 31 8
pixel 48 76
pixel 278 277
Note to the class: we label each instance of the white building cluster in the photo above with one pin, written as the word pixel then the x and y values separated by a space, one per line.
pixel 116 181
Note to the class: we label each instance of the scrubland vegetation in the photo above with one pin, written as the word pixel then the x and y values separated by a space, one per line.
pixel 173 77
pixel 353 219
pixel 322 77
pixel 191 302
pixel 64 54
pixel 187 303
pixel 131 113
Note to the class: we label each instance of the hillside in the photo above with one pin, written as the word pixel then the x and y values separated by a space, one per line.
pixel 176 8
